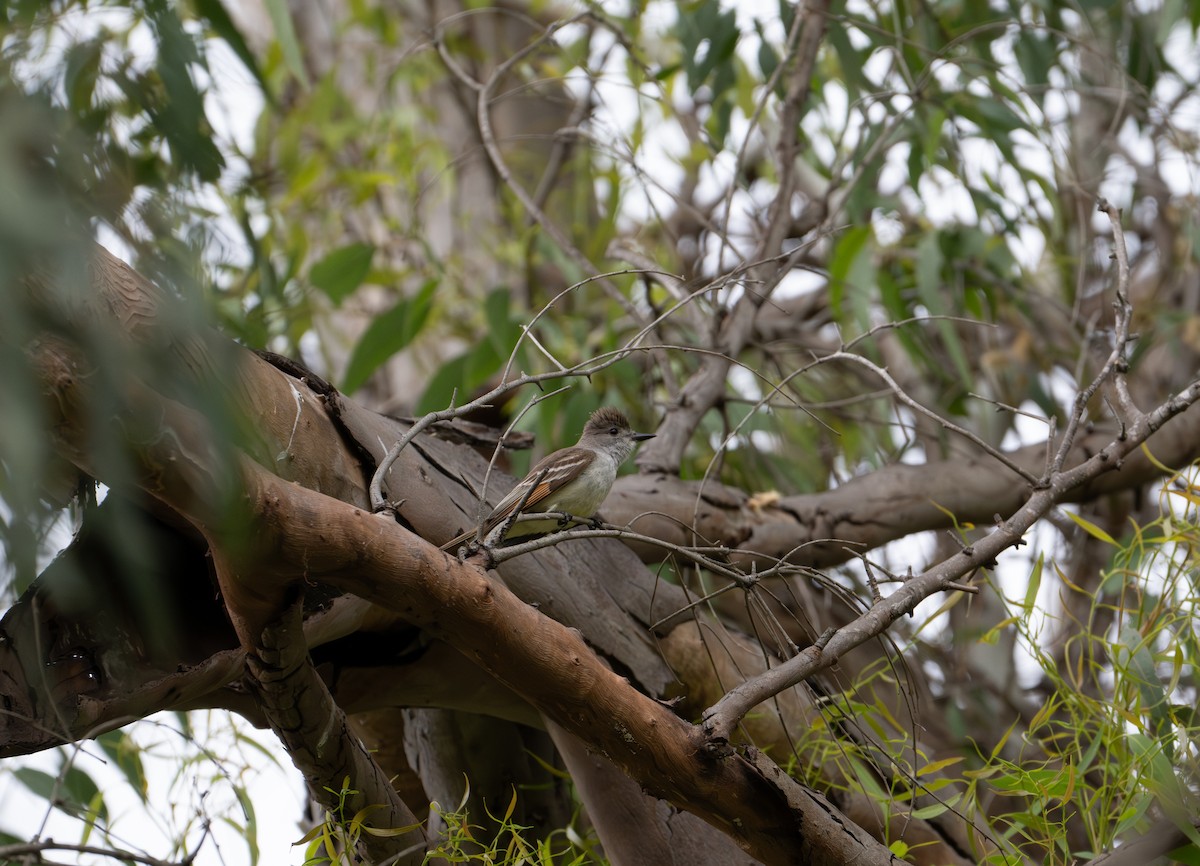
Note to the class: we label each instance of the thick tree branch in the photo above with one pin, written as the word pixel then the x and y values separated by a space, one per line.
pixel 314 731
pixel 547 664
pixel 302 536
pixel 721 718
pixel 305 535
pixel 821 529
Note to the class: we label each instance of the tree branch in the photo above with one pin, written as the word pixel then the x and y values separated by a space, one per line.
pixel 706 387
pixel 721 718
pixel 314 731
pixel 302 536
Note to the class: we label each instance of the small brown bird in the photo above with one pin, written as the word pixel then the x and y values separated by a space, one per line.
pixel 574 480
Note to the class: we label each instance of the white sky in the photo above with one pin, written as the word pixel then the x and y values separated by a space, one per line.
pixel 186 792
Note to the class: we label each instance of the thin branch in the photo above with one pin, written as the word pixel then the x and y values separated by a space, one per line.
pixel 1116 363
pixel 920 408
pixel 9 853
pixel 723 717
pixel 492 149
pixel 812 18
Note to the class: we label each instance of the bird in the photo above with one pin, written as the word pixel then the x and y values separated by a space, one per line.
pixel 574 480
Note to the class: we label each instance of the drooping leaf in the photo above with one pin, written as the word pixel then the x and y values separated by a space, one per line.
pixel 83 793
pixel 388 334
pixel 343 270
pixel 852 276
pixel 223 26
pixel 123 752
pixel 39 782
pixel 285 33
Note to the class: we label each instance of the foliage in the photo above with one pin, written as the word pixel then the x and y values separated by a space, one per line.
pixel 185 783
pixel 340 831
pixel 98 139
pixel 936 223
pixel 1115 740
pixel 1118 733
pixel 504 843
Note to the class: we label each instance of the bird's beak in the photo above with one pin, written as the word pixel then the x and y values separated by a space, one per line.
pixel 642 437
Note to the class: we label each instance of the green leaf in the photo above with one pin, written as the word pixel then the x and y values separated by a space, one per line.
pixel 501 330
pixel 37 781
pixel 223 26
pixel 442 386
pixel 281 20
pixel 852 276
pixel 250 832
pixel 899 848
pixel 1091 528
pixel 83 793
pixel 1155 768
pixel 180 116
pixel 76 791
pixel 343 270
pixel 768 57
pixel 930 260
pixel 931 135
pixel 1145 59
pixel 389 832
pixel 481 363
pixel 929 273
pixel 1035 54
pixel 994 114
pixel 787 14
pixel 850 63
pixel 387 335
pixel 701 22
pixel 1139 668
pixel 123 752
pixel 1034 584
pixel 930 811
pixel 80 74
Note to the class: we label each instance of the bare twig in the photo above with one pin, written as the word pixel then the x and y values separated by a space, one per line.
pixel 811 18
pixel 1116 364
pixel 920 408
pixel 34 850
pixel 724 716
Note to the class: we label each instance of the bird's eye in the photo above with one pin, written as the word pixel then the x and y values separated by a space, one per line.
pixel 612 431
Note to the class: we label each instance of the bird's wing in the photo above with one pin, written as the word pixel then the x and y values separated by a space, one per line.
pixel 549 474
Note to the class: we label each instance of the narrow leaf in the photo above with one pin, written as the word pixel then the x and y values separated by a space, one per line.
pixel 224 27
pixel 1091 528
pixel 286 34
